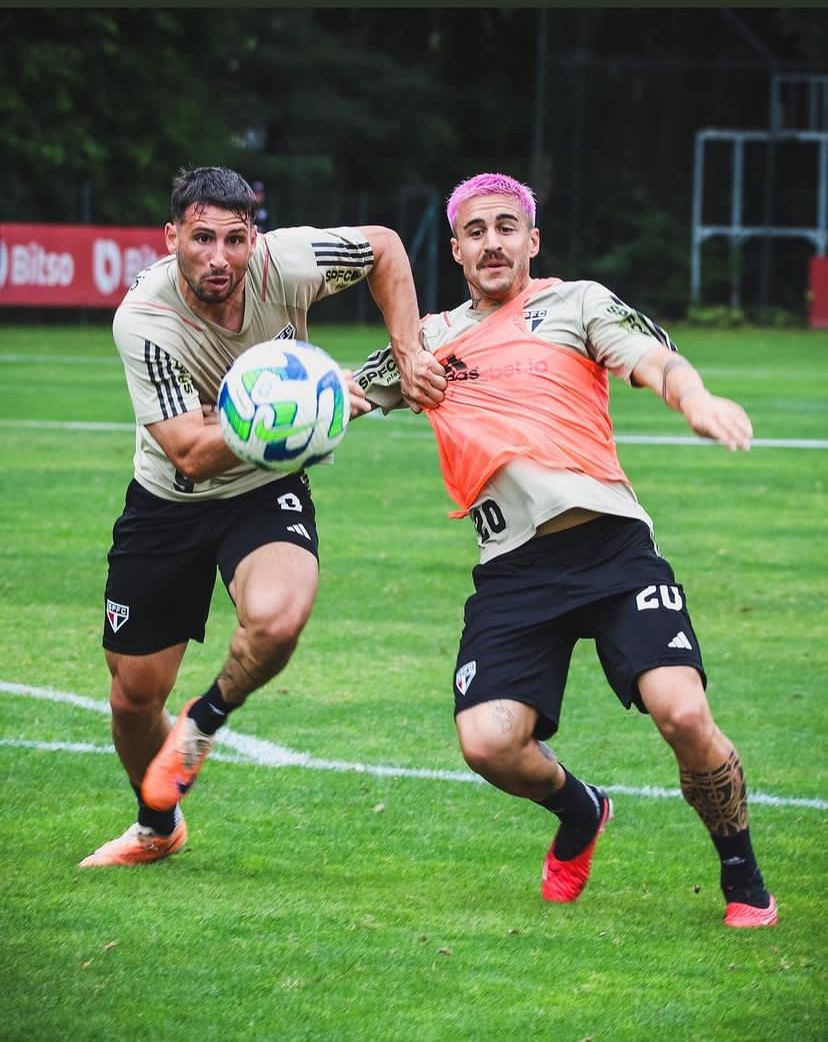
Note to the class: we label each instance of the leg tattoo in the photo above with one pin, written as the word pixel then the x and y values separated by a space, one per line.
pixel 504 716
pixel 719 796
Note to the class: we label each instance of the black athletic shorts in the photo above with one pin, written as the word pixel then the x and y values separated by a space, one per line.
pixel 602 580
pixel 164 555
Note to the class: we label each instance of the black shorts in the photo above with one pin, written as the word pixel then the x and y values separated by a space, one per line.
pixel 603 580
pixel 164 555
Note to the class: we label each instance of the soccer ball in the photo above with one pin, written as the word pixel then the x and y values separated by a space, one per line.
pixel 283 405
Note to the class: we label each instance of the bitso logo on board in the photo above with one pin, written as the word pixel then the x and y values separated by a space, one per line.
pixel 31 264
pixel 4 264
pixel 114 267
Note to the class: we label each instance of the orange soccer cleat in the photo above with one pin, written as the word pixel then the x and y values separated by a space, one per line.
pixel 175 768
pixel 139 845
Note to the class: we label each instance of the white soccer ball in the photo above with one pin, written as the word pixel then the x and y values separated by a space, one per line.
pixel 283 405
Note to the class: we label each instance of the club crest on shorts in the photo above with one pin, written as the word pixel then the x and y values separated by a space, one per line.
pixel 117 614
pixel 465 675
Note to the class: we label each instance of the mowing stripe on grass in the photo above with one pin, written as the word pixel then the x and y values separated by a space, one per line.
pixel 269 754
pixel 622 439
pixel 17 357
pixel 68 425
pixel 95 360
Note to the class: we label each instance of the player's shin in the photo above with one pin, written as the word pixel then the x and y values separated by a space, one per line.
pixel 719 797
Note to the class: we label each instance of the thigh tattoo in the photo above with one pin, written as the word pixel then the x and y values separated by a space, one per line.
pixel 504 716
pixel 719 796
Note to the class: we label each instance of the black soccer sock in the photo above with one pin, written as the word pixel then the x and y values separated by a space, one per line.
pixel 210 711
pixel 579 809
pixel 741 880
pixel 162 821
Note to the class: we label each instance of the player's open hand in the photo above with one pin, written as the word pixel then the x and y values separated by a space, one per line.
pixel 422 380
pixel 719 418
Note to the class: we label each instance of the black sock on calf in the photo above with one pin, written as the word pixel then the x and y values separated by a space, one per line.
pixel 210 711
pixel 162 821
pixel 741 880
pixel 579 809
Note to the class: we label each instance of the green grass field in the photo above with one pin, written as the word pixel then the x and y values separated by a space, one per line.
pixel 368 889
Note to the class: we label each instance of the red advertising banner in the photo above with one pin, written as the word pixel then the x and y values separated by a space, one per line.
pixel 819 292
pixel 73 265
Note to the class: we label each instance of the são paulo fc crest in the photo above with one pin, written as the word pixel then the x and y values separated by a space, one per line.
pixel 534 317
pixel 117 614
pixel 464 676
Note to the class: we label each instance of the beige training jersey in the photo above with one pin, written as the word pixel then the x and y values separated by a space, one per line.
pixel 175 359
pixel 584 317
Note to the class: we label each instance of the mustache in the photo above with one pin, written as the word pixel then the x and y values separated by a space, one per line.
pixel 494 257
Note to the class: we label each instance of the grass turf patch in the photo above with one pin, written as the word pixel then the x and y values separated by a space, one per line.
pixel 338 904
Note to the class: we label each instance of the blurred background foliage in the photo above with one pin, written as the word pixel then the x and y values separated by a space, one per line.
pixel 360 115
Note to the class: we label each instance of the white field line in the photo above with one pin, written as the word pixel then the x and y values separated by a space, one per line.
pixel 86 747
pixel 689 439
pixel 621 439
pixel 643 439
pixel 260 751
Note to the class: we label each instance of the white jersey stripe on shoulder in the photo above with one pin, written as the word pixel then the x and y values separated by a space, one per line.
pixel 171 384
pixel 159 368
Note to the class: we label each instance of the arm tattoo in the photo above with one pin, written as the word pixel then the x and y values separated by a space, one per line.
pixel 719 797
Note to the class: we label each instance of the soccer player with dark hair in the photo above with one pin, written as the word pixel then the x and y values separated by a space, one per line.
pixel 566 550
pixel 192 507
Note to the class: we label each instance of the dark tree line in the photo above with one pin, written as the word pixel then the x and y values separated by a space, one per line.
pixel 339 109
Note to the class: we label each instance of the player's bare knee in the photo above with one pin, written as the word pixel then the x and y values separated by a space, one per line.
pixel 489 755
pixel 137 698
pixel 273 636
pixel 686 723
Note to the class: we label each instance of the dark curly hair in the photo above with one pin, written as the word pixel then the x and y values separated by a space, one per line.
pixel 212 186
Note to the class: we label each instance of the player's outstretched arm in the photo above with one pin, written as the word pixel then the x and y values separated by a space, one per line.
pixel 194 444
pixel 392 287
pixel 682 388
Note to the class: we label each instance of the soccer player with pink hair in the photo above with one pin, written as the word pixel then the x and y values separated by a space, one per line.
pixel 491 184
pixel 567 552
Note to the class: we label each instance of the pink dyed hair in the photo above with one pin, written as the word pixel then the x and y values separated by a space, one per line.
pixel 491 184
